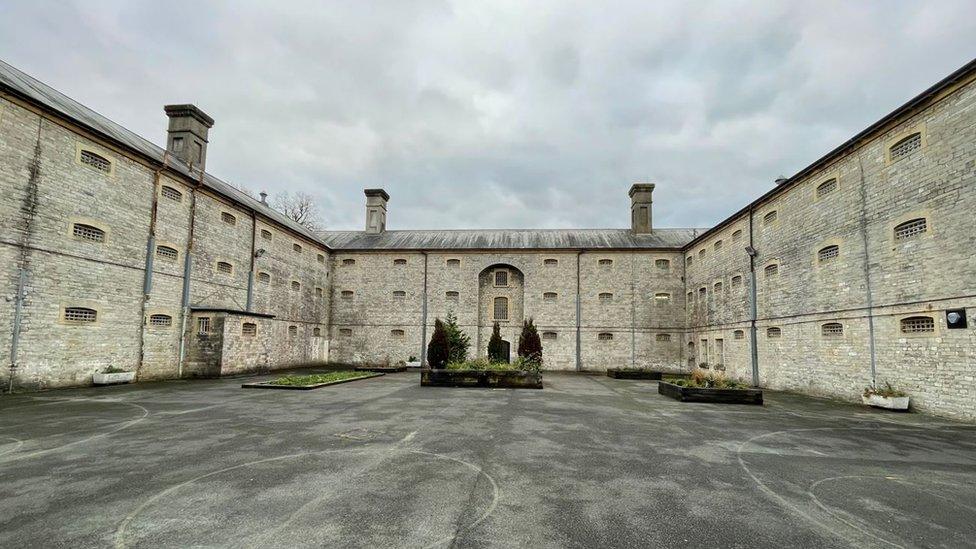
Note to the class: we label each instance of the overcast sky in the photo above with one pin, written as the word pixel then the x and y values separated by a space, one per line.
pixel 498 114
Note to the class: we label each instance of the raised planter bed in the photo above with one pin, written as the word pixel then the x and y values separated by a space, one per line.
pixel 113 378
pixel 271 385
pixel 501 379
pixel 717 396
pixel 898 404
pixel 382 369
pixel 638 373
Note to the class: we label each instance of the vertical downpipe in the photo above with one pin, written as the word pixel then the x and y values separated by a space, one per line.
pixel 150 256
pixel 579 311
pixel 633 313
pixel 249 306
pixel 187 270
pixel 753 307
pixel 29 209
pixel 423 318
pixel 867 270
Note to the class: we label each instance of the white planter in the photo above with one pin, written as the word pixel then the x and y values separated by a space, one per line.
pixel 414 364
pixel 112 379
pixel 891 403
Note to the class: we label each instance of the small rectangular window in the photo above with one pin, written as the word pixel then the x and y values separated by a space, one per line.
pixel 911 228
pixel 264 278
pixel 249 329
pixel 203 325
pixel 770 218
pixel 347 294
pixel 663 338
pixel 399 295
pixel 95 160
pixel 292 331
pixel 160 320
pixel 348 262
pixel 320 258
pixel 501 278
pixel 662 264
pixel 605 336
pixel 606 297
pixel 549 297
pixel 316 332
pixel 399 262
pixel 397 333
pixel 266 234
pixel 228 218
pixel 171 193
pixel 832 329
pixel 662 298
pixel 917 325
pixel 297 247
pixel 224 267
pixel 88 232
pixel 167 253
pixel 773 333
pixel 549 336
pixel 454 263
pixel 550 262
pixel 81 315
pixel 296 286
pixel 739 334
pixel 452 296
pixel 906 146
pixel 345 332
pixel 606 262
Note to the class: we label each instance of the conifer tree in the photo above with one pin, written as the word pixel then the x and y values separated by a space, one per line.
pixel 496 348
pixel 439 348
pixel 530 346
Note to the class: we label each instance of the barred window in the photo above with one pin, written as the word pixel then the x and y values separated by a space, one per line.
pixel 88 232
pixel 662 263
pixel 917 325
pixel 264 278
pixel 501 308
pixel 739 334
pixel 832 329
pixel 80 314
pixel 297 247
pixel 550 262
pixel 167 253
pixel 224 267
pixel 906 146
pixel 549 336
pixel 911 228
pixel 399 262
pixel 452 296
pixel 701 253
pixel 228 218
pixel 96 161
pixel 549 297
pixel 347 294
pixel 662 298
pixel 717 287
pixel 203 325
pixel 736 281
pixel 605 262
pixel 316 332
pixel 769 218
pixel 160 320
pixel 501 278
pixel 320 258
pixel 826 187
pixel 737 235
pixel 773 333
pixel 319 292
pixel 348 262
pixel 296 286
pixel 397 333
pixel 718 244
pixel 702 292
pixel 828 253
pixel 171 193
pixel 249 329
pixel 292 331
pixel 399 294
pixel 771 270
pixel 606 297
pixel 604 336
pixel 689 260
pixel 663 338
pixel 266 234
pixel 345 332
pixel 690 298
pixel 454 263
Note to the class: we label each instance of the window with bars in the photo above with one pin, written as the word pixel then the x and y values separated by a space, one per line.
pixel 452 296
pixel 736 235
pixel 690 297
pixel 169 192
pixel 249 329
pixel 296 286
pixel 501 278
pixel 549 297
pixel 95 160
pixel 345 332
pixel 774 332
pixel 500 308
pixel 605 262
pixel 320 258
pixel 319 292
pixel 266 234
pixel 296 247
pixel 605 297
pixel 717 287
pixel 718 245
pixel 771 270
pixel 347 294
pixel 160 320
pixel 399 295
pixel 167 253
pixel 264 278
pixel 399 262
pixel 832 329
pixel 203 325
pixel 397 333
pixel 88 232
pixel 662 338
pixel 736 281
pixel 550 262
pixel 906 146
pixel 662 264
pixel 292 331
pixel 689 260
pixel 828 253
pixel 702 292
pixel 228 218
pixel 316 332
pixel 770 217
pixel 224 267
pixel 917 325
pixel 738 334
pixel 549 336
pixel 80 315
pixel 701 253
pixel 911 228
pixel 662 298
pixel 454 263
pixel 826 187
pixel 604 336
pixel 348 262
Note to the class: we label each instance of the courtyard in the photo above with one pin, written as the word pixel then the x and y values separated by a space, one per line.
pixel 586 462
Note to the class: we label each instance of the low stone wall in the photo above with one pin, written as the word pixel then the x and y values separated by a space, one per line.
pixel 503 379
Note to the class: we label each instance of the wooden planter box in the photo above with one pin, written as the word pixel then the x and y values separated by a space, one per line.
pixel 113 378
pixel 637 373
pixel 268 385
pixel 899 404
pixel 718 396
pixel 502 379
pixel 381 369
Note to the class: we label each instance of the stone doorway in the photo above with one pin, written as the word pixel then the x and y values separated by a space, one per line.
pixel 501 289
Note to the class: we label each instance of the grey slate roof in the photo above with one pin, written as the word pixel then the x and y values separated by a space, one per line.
pixel 515 239
pixel 37 92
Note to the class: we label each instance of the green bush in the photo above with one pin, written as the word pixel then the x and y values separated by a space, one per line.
pixel 458 342
pixel 701 379
pixel 530 345
pixel 887 391
pixel 496 348
pixel 439 348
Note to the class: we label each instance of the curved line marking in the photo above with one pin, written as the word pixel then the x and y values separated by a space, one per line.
pixel 491 506
pixel 859 525
pixel 18 443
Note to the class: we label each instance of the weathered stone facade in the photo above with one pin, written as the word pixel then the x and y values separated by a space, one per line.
pixel 838 267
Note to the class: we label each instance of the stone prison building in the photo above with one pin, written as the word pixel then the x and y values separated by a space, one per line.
pixel 859 269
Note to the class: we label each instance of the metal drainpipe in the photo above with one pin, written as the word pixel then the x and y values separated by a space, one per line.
pixel 754 309
pixel 150 256
pixel 863 221
pixel 187 269
pixel 633 315
pixel 423 318
pixel 30 207
pixel 249 304
pixel 579 312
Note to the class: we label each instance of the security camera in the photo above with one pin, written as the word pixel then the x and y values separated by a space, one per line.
pixel 259 252
pixel 751 251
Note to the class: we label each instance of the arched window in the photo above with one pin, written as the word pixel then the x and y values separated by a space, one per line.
pixel 718 244
pixel 771 270
pixel 399 262
pixel 736 281
pixel 832 329
pixel 662 264
pixel 249 329
pixel 549 336
pixel 264 278
pixel 689 260
pixel 454 263
pixel 88 232
pixel 167 253
pixel 266 234
pixel 828 253
pixel 906 146
pixel 228 218
pixel 605 262
pixel 606 297
pixel 296 286
pixel 826 187
pixel 320 258
pixel 701 253
pixel 160 320
pixel 348 262
pixel 911 228
pixel 770 218
pixel 347 294
pixel 773 333
pixel 292 331
pixel 501 308
pixel 396 333
pixel 80 315
pixel 224 267
pixel 549 297
pixel 399 295
pixel 345 332
pixel 917 325
pixel 717 287
pixel 169 192
pixel 550 262
pixel 319 292
pixel 316 332
pixel 662 298
pixel 737 235
pixel 738 334
pixel 605 336
pixel 297 247
pixel 663 338
pixel 95 160
pixel 452 296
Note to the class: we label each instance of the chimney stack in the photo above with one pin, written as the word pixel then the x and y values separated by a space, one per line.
pixel 187 134
pixel 376 200
pixel 640 208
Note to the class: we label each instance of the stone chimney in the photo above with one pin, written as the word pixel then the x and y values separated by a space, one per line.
pixel 376 200
pixel 640 208
pixel 188 130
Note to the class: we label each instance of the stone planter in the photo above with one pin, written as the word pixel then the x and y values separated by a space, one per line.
pixel 717 396
pixel 269 385
pixel 501 379
pixel 381 369
pixel 414 364
pixel 638 373
pixel 899 404
pixel 113 378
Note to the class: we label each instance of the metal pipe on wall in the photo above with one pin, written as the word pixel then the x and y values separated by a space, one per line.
pixel 579 312
pixel 187 270
pixel 423 319
pixel 863 221
pixel 753 307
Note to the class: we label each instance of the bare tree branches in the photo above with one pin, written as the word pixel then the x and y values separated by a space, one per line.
pixel 299 207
